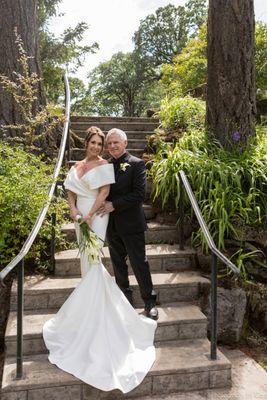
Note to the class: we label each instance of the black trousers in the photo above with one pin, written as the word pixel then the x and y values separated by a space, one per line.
pixel 132 245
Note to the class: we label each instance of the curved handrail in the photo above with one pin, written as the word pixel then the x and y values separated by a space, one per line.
pixel 42 214
pixel 215 253
pixel 203 224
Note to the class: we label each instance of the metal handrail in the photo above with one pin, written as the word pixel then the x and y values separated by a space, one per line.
pixel 19 259
pixel 42 214
pixel 203 224
pixel 184 184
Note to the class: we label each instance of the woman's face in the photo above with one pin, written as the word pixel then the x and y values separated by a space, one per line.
pixel 94 146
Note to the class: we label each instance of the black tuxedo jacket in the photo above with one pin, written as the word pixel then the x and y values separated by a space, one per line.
pixel 127 195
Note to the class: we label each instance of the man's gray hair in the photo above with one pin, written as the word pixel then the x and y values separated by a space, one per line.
pixel 118 132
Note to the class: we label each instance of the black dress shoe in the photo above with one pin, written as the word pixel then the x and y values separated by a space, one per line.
pixel 151 310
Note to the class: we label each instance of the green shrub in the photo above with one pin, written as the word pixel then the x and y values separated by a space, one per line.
pixel 231 188
pixel 24 180
pixel 182 113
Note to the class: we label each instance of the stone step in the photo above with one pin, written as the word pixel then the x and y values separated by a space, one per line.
pixel 125 126
pixel 180 366
pixel 94 119
pixel 156 233
pixel 131 135
pixel 50 292
pixel 176 321
pixel 149 211
pixel 79 154
pixel 136 143
pixel 161 257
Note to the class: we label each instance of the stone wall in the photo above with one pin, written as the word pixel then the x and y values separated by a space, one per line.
pixel 257 307
pixel 231 312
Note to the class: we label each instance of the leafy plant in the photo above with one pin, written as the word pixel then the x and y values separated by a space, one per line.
pixel 231 188
pixel 24 179
pixel 241 259
pixel 182 113
pixel 188 71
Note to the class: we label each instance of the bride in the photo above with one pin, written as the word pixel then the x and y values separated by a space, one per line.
pixel 96 335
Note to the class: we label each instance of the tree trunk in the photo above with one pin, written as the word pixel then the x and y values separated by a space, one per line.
pixel 231 93
pixel 23 15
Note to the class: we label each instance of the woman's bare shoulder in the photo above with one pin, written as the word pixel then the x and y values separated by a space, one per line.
pixel 79 164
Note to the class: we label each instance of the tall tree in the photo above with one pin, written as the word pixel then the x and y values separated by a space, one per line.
pixel 122 85
pixel 163 35
pixel 57 53
pixel 20 14
pixel 188 72
pixel 231 102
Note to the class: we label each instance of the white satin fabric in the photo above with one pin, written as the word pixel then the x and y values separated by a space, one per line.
pixel 96 335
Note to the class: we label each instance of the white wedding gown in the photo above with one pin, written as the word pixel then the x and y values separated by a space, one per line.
pixel 97 335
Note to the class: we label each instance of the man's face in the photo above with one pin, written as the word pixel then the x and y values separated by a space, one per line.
pixel 116 146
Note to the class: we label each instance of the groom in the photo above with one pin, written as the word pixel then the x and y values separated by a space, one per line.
pixel 127 223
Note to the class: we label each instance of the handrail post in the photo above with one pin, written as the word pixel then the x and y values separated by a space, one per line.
pixel 213 342
pixel 68 137
pixel 181 215
pixel 20 307
pixel 53 234
pixel 68 148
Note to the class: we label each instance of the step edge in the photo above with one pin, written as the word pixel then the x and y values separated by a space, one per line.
pixel 198 280
pixel 217 365
pixel 28 336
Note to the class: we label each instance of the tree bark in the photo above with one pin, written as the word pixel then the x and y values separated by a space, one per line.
pixel 231 93
pixel 23 15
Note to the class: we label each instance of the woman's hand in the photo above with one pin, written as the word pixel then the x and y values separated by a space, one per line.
pixel 74 212
pixel 87 219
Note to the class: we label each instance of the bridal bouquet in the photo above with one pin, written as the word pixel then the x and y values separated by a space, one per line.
pixel 89 242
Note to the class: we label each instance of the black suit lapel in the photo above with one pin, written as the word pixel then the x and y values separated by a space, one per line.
pixel 117 164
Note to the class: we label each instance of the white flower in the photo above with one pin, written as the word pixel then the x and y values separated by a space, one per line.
pixel 123 166
pixel 89 242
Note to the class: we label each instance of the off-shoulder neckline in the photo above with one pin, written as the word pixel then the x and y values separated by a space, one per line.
pixel 90 170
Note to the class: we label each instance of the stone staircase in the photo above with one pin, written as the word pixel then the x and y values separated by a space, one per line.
pixel 182 348
pixel 136 129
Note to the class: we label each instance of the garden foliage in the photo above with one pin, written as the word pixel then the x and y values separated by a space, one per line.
pixel 24 180
pixel 182 113
pixel 188 72
pixel 231 188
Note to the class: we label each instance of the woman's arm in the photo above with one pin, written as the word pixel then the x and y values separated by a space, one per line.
pixel 72 204
pixel 101 197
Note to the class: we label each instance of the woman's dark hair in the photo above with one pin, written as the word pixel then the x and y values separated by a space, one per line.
pixel 94 130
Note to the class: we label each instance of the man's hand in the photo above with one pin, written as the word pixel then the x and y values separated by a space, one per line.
pixel 106 208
